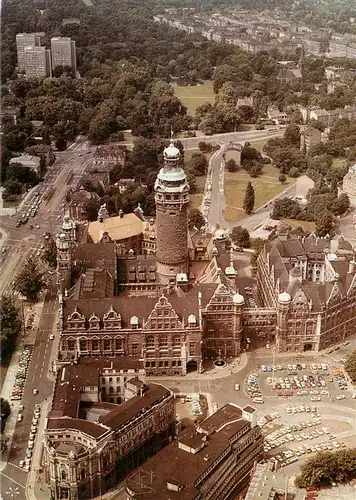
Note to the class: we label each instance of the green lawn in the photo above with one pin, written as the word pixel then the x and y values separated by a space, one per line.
pixel 259 144
pixel 266 187
pixel 339 162
pixel 195 96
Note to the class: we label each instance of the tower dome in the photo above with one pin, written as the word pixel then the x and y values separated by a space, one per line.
pixel 171 152
pixel 284 298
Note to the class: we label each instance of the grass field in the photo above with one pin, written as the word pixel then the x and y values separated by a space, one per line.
pixel 266 187
pixel 259 144
pixel 195 96
pixel 339 162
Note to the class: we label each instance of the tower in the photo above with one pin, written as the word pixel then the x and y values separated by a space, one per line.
pixel 64 262
pixel 171 197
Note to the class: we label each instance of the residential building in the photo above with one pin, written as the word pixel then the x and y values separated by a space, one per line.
pixel 349 181
pixel 309 137
pixel 33 162
pixel 63 53
pixel 90 441
pixel 289 76
pixel 25 40
pixel 212 460
pixel 37 62
pixel 279 117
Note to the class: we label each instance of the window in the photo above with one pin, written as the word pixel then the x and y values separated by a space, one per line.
pixel 83 345
pixel 135 349
pixel 95 345
pixel 176 341
pixel 163 341
pixel 119 344
pixel 107 344
pixel 64 475
pixel 71 345
pixel 150 341
pixel 191 348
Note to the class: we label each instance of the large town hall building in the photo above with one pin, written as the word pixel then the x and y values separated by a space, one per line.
pixel 170 296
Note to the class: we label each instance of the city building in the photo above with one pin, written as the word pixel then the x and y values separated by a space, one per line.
pixel 212 460
pixel 349 181
pixel 309 137
pixel 37 62
pixel 173 296
pixel 78 202
pixel 33 162
pixel 311 284
pixel 266 484
pixel 103 422
pixel 63 53
pixel 25 40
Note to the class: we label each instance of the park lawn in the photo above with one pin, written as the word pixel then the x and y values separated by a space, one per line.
pixel 339 162
pixel 188 153
pixel 306 225
pixel 259 144
pixel 266 187
pixel 195 96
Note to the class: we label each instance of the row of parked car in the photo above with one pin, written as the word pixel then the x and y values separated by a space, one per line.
pixel 290 456
pixel 26 463
pixel 253 388
pixel 21 374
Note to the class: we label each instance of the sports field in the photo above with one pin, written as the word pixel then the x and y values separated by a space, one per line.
pixel 195 96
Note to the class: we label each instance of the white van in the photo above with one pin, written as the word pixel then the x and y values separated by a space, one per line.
pixel 258 400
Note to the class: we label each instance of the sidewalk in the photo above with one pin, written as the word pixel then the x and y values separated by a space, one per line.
pixel 14 405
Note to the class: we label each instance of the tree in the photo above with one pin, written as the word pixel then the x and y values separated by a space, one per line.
pixel 285 208
pixel 204 147
pixel 11 325
pixel 5 411
pixel 326 466
pixel 324 223
pixel 196 219
pixel 292 135
pixel 30 282
pixel 49 254
pixel 249 200
pixel 350 366
pixel 282 178
pixel 240 236
pixel 198 163
pixel 91 209
pixel 61 144
pixel 231 165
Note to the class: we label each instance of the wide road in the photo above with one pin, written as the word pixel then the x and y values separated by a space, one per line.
pixel 247 136
pixel 38 377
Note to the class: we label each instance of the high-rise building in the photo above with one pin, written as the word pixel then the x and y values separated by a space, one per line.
pixel 37 61
pixel 25 40
pixel 172 198
pixel 63 52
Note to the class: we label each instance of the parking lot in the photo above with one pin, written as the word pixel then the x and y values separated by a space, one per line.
pixel 305 382
pixel 20 378
pixel 25 462
pixel 308 430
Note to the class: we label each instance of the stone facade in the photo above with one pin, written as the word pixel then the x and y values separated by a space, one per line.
pixel 86 456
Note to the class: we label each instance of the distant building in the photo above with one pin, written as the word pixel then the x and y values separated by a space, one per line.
pixel 279 117
pixel 289 76
pixel 309 137
pixel 212 460
pixel 90 441
pixel 25 160
pixel 44 151
pixel 349 182
pixel 63 52
pixel 11 113
pixel 303 185
pixel 37 62
pixel 77 204
pixel 25 40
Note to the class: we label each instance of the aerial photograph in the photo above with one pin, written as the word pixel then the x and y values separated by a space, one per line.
pixel 178 250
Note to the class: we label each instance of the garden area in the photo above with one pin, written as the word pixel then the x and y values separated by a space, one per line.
pixel 266 187
pixel 195 96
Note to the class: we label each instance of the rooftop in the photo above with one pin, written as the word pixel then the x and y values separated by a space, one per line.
pixel 118 228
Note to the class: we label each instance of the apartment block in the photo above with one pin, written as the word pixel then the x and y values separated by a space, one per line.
pixel 63 52
pixel 25 40
pixel 37 62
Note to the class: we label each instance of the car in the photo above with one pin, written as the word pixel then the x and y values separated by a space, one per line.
pixel 21 463
pixel 34 392
pixel 340 397
pixel 51 337
pixel 21 407
pixel 237 386
pixel 19 417
pixel 30 445
pixel 34 429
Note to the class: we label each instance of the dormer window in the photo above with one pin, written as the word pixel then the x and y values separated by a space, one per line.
pixel 192 321
pixel 134 322
pixel 94 323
